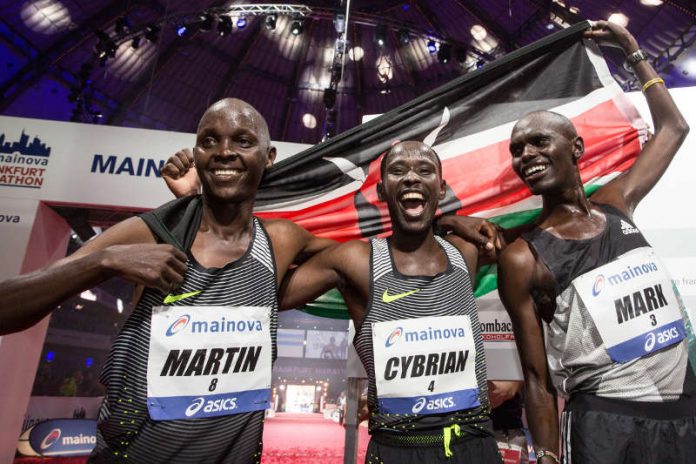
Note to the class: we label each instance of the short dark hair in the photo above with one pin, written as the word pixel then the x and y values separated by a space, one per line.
pixel 393 149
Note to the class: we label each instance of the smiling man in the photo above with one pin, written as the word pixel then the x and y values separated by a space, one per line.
pixel 417 331
pixel 187 379
pixel 594 312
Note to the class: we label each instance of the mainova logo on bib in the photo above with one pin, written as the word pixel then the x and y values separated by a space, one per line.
pixel 186 323
pixel 50 439
pixel 429 334
pixel 629 273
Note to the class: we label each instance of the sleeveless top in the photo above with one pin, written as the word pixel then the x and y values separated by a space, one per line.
pixel 590 344
pixel 126 431
pixel 439 313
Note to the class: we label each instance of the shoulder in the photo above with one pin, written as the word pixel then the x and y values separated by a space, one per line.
pixel 467 249
pixel 517 256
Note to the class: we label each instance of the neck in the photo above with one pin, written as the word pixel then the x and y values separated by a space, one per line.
pixel 410 242
pixel 572 200
pixel 227 220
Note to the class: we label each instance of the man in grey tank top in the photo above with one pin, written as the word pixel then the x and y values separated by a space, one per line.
pixel 626 373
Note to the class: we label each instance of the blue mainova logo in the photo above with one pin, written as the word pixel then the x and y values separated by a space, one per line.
pixel 598 285
pixel 50 439
pixel 178 325
pixel 394 336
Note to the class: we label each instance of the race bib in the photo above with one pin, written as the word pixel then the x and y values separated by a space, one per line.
pixel 425 366
pixel 208 361
pixel 633 304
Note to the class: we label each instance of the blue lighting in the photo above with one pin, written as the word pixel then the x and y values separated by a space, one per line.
pixel 241 23
pixel 405 7
pixel 50 355
pixel 181 30
pixel 432 46
pixel 89 362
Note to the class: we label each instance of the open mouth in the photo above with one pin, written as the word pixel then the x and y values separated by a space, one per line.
pixel 226 174
pixel 532 173
pixel 413 203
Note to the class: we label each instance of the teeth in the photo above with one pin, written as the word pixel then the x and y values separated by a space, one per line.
pixel 412 196
pixel 535 169
pixel 227 172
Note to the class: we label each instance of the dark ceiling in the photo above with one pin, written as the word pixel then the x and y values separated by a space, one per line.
pixel 50 69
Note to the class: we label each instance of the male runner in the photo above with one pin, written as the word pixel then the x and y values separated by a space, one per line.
pixel 188 376
pixel 615 338
pixel 417 331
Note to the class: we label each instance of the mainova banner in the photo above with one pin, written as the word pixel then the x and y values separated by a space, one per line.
pixel 62 437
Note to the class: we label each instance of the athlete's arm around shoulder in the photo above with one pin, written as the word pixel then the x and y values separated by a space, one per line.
pixel 519 274
pixel 629 188
pixel 346 266
pixel 292 244
pixel 126 250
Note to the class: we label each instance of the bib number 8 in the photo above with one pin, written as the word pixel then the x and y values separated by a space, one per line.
pixel 213 385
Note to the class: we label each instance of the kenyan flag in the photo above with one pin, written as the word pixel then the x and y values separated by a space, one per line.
pixel 330 188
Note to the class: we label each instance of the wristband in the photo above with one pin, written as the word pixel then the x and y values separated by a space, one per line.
pixel 634 58
pixel 541 453
pixel 651 82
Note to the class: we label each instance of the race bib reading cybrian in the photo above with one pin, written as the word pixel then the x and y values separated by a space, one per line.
pixel 633 305
pixel 208 361
pixel 425 366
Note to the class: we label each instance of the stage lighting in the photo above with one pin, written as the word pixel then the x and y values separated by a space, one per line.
pixel 296 27
pixel 241 22
pixel 224 26
pixel 205 22
pixel 432 46
pixel 270 22
pixel 181 29
pixel 404 38
pixel 380 35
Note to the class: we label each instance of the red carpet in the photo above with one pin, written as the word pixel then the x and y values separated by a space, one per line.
pixel 288 438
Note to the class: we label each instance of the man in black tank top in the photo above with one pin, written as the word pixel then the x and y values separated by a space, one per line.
pixel 568 284
pixel 231 153
pixel 428 402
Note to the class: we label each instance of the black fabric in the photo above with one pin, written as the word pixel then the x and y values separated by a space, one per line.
pixel 508 416
pixel 176 222
pixel 568 259
pixel 598 437
pixel 465 450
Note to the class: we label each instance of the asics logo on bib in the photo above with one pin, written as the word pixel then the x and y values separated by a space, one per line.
pixel 52 437
pixel 631 272
pixel 431 405
pixel 178 325
pixel 661 338
pixel 221 326
pixel 210 406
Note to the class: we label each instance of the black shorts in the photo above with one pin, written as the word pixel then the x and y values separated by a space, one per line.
pixel 466 450
pixel 604 431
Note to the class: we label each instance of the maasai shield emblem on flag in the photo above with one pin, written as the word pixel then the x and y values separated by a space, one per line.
pixel 330 188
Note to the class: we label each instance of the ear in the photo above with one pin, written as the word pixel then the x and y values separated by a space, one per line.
pixel 578 148
pixel 271 156
pixel 380 191
pixel 443 189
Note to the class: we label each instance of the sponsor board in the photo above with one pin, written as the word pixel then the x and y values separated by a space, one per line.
pixel 63 437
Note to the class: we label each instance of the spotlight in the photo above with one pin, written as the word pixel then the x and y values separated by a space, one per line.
pixel 480 63
pixel 181 30
pixel 380 35
pixel 152 32
pixel 224 26
pixel 270 22
pixel 432 46
pixel 444 54
pixel 241 22
pixel 135 43
pixel 205 22
pixel 404 38
pixel 296 28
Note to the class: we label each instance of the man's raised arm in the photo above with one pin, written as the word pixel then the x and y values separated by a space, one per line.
pixel 126 250
pixel 628 189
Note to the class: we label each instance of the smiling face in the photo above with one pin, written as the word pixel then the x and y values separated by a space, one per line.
pixel 232 150
pixel 412 186
pixel 545 148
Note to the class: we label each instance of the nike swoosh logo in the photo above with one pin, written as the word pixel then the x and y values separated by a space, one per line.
pixel 387 298
pixel 174 298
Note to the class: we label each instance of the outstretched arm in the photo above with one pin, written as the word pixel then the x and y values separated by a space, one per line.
pixel 628 189
pixel 127 250
pixel 515 276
